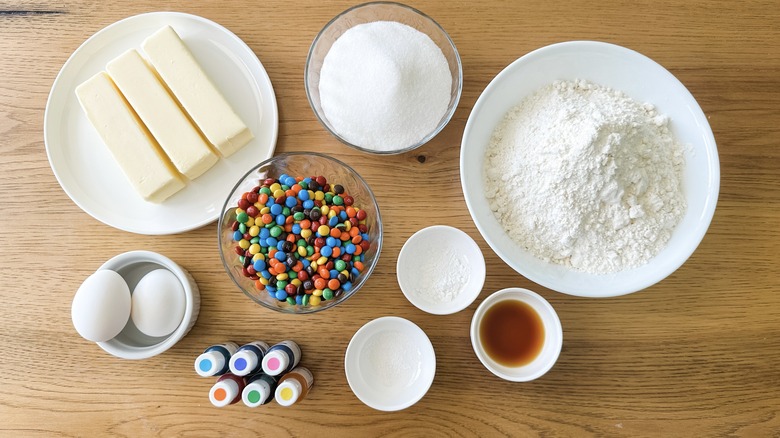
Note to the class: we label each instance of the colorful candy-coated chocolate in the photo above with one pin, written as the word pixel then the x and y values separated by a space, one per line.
pixel 300 239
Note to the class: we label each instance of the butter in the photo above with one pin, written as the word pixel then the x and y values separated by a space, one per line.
pixel 205 105
pixel 138 154
pixel 183 144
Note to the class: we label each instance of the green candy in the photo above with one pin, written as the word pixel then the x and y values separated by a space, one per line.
pixel 276 231
pixel 328 198
pixel 292 274
pixel 255 239
pixel 304 185
pixel 340 265
pixel 241 259
pixel 280 284
pixel 286 211
pixel 291 301
pixel 338 200
pixel 242 228
pixel 305 300
pixel 309 250
pixel 265 190
pixel 299 216
pixel 327 294
pixel 242 217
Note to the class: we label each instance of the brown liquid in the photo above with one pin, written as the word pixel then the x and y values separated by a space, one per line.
pixel 512 333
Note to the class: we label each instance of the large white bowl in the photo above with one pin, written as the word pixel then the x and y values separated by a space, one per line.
pixel 640 78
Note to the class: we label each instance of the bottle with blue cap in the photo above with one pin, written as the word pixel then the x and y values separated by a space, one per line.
pixel 247 360
pixel 215 360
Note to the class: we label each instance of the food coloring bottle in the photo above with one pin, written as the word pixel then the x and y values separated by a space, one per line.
pixel 281 358
pixel 294 386
pixel 227 390
pixel 215 360
pixel 259 390
pixel 247 359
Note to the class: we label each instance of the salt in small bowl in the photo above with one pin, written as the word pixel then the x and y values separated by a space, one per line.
pixel 436 261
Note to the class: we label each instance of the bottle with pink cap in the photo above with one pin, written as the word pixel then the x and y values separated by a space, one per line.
pixel 281 358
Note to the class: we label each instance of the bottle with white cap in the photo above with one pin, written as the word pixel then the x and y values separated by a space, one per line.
pixel 281 358
pixel 294 386
pixel 247 359
pixel 259 390
pixel 215 360
pixel 227 390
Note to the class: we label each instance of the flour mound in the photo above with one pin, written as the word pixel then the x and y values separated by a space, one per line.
pixel 582 175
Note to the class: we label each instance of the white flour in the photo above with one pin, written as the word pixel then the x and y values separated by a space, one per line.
pixel 384 85
pixel 441 275
pixel 582 175
pixel 393 359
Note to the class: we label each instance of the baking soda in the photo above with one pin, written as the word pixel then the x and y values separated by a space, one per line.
pixel 384 86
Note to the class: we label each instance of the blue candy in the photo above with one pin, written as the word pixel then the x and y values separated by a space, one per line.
pixel 291 202
pixel 237 235
pixel 276 209
pixel 280 255
pixel 280 219
pixel 271 242
pixel 332 222
pixel 347 286
pixel 265 274
pixel 259 265
pixel 334 273
pixel 332 241
pixel 299 299
pixel 303 195
pixel 296 229
pixel 281 295
pixel 308 204
pixel 343 216
pixel 264 233
pixel 350 248
pixel 326 251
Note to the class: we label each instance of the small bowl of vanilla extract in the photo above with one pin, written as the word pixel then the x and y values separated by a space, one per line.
pixel 516 334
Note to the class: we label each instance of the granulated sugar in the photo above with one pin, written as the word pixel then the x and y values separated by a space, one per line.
pixel 584 176
pixel 384 85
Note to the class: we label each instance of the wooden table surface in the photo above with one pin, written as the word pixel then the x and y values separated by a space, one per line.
pixel 696 355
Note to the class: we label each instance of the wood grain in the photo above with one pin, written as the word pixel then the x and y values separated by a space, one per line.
pixel 696 355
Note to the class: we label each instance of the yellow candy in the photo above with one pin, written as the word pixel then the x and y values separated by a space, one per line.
pixel 264 280
pixel 282 276
pixel 302 251
pixel 239 211
pixel 275 186
pixel 330 214
pixel 319 195
pixel 296 282
pixel 243 243
pixel 254 230
pixel 307 233
pixel 254 249
pixel 311 194
pixel 347 225
pixel 314 265
pixel 278 193
pixel 317 293
pixel 258 256
pixel 315 300
pixel 249 222
pixel 259 205
pixel 324 230
pixel 322 261
pixel 324 209
pixel 265 210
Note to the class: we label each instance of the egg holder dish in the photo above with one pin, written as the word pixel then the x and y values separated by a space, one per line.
pixel 131 343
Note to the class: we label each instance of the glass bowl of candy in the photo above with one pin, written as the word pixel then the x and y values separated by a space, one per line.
pixel 383 78
pixel 300 233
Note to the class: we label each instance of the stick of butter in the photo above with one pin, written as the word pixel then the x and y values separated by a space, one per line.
pixel 195 92
pixel 138 154
pixel 183 144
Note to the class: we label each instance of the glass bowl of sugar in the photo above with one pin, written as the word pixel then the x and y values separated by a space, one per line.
pixel 383 78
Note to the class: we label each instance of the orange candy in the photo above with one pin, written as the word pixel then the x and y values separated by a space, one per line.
pixel 267 218
pixel 320 283
pixel 359 266
pixel 324 273
pixel 357 239
pixel 333 284
pixel 335 232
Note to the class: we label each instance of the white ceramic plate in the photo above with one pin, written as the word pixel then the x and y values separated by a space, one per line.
pixel 640 78
pixel 390 363
pixel 411 270
pixel 90 175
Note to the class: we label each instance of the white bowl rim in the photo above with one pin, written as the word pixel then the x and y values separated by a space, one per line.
pixel 710 149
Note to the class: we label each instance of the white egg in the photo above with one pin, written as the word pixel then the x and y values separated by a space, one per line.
pixel 101 306
pixel 158 303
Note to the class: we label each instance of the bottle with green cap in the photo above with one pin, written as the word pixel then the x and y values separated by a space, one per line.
pixel 259 390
